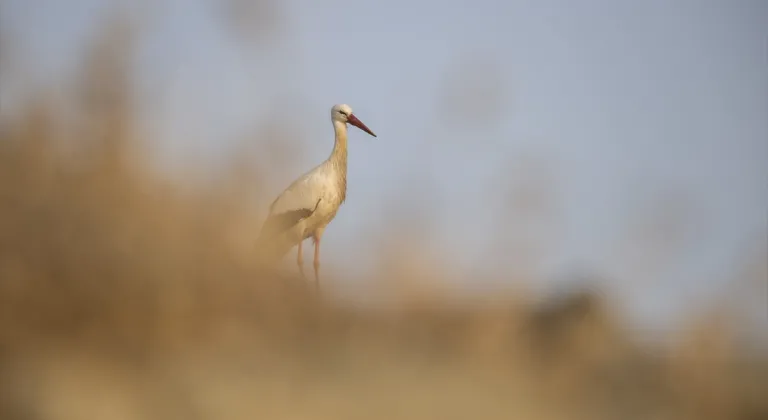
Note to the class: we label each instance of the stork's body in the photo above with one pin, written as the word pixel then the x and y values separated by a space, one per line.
pixel 309 204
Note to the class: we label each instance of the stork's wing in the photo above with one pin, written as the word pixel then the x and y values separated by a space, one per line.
pixel 297 202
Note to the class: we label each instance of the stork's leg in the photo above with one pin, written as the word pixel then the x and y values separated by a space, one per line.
pixel 317 236
pixel 300 260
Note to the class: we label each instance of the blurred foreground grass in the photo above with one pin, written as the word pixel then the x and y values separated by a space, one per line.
pixel 125 296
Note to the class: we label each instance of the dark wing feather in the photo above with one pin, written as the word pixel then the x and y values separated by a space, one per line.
pixel 295 203
pixel 280 222
pixel 269 243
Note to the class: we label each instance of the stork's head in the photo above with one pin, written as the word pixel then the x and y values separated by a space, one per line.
pixel 343 113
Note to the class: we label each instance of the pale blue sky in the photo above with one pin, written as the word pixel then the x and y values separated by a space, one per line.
pixel 619 102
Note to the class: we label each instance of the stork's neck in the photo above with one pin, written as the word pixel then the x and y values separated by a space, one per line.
pixel 339 154
pixel 338 159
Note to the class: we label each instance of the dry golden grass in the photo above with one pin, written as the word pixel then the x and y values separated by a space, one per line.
pixel 125 296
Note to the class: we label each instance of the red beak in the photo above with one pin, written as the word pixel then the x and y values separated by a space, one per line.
pixel 359 124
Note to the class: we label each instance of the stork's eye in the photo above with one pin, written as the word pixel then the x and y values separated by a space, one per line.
pixel 342 113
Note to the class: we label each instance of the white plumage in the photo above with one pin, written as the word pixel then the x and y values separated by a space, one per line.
pixel 308 205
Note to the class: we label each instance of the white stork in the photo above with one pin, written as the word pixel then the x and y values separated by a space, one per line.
pixel 309 204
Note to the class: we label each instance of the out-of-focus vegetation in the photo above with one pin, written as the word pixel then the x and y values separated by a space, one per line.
pixel 126 296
